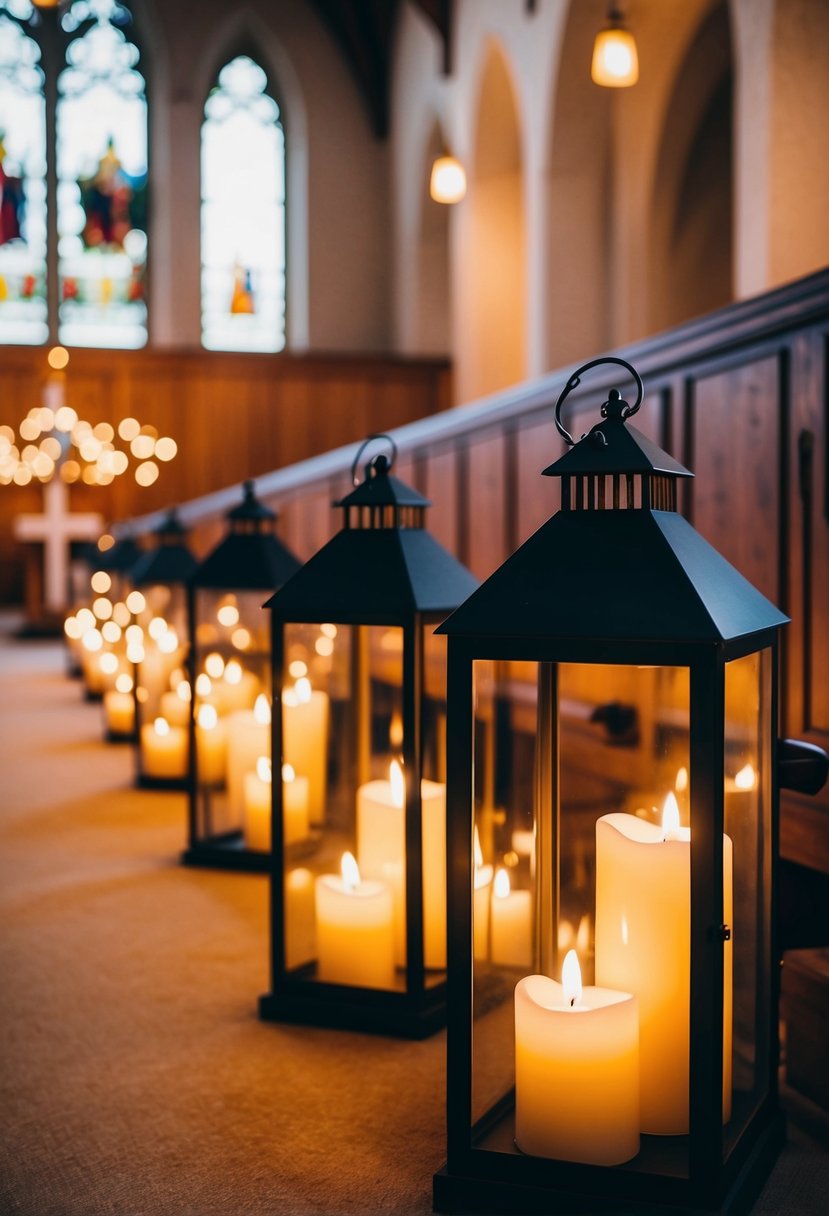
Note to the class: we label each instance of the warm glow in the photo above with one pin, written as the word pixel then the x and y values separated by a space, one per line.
pixel 398 786
pixel 262 710
pixel 302 688
pixel 288 773
pixel 168 642
pixel 207 717
pixel 233 672
pixel 165 448
pixel 670 816
pixel 142 446
pixel 65 418
pixel 100 582
pixel 161 727
pixel 102 607
pixel 146 473
pixel 240 638
pixel 329 631
pixel 571 978
pixel 141 694
pixel 297 668
pixel 681 783
pixel 58 356
pixel 214 665
pixel 396 729
pixel 86 619
pixel 746 778
pixel 203 685
pixel 228 615
pixel 350 871
pixel 128 428
pixel 583 934
pixel 501 886
pixel 615 60
pixel 157 627
pixel 71 628
pixel 134 635
pixel 109 663
pixel 123 683
pixel 479 853
pixel 93 640
pixel 263 770
pixel 121 614
pixel 324 647
pixel 183 690
pixel 135 602
pixel 448 180
pixel 135 653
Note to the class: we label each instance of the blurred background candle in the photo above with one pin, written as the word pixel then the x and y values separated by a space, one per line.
pixel 300 918
pixel 576 1069
pixel 257 818
pixel 119 710
pixel 643 945
pixel 175 704
pixel 355 930
pixel 164 749
pixel 510 924
pixel 480 904
pixel 248 738
pixel 305 740
pixel 211 746
pixel 238 688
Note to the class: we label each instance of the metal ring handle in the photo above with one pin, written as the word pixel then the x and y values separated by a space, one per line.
pixel 575 380
pixel 370 439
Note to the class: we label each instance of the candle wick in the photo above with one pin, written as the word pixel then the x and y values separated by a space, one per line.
pixel 572 1001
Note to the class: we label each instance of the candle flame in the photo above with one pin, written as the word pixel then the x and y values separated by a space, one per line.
pixel 302 688
pixel 746 779
pixel 183 690
pixel 263 770
pixel 161 727
pixel 479 853
pixel 571 978
pixel 262 710
pixel 207 717
pixel 204 685
pixel 501 886
pixel 681 783
pixel 670 816
pixel 288 773
pixel 350 871
pixel 396 729
pixel 233 672
pixel 398 786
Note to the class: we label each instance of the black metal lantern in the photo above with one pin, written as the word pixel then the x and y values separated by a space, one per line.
pixel 157 643
pixel 358 892
pixel 230 671
pixel 612 795
pixel 100 583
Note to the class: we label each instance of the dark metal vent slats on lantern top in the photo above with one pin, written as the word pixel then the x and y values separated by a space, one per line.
pixel 358 885
pixel 229 673
pixel 612 840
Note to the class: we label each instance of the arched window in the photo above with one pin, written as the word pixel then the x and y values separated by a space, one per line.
pixel 242 213
pixel 73 249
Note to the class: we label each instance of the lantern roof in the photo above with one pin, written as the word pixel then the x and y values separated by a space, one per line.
pixel 170 561
pixel 617 562
pixel 250 556
pixel 382 566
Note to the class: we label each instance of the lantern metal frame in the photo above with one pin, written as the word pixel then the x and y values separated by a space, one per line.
pixel 573 594
pixel 250 558
pixel 169 563
pixel 381 569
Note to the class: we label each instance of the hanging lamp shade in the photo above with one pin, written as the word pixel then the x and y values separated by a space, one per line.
pixel 615 62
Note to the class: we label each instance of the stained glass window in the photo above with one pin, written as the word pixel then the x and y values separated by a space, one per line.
pixel 242 213
pixel 94 257
pixel 102 182
pixel 23 313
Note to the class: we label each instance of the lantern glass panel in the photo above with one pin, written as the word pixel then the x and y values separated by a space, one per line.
pixel 160 655
pixel 232 726
pixel 747 825
pixel 433 725
pixel 559 747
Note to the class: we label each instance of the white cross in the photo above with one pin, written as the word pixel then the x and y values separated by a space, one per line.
pixel 55 529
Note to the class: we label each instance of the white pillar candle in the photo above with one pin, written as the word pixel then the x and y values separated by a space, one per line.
pixel 175 704
pixel 305 713
pixel 258 806
pixel 119 710
pixel 355 929
pixel 163 749
pixel 576 1070
pixel 248 738
pixel 211 747
pixel 238 688
pixel 511 938
pixel 643 945
pixel 381 853
pixel 300 918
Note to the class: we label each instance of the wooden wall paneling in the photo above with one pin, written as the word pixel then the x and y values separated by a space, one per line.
pixel 487 507
pixel 443 519
pixel 537 445
pixel 735 444
pixel 308 521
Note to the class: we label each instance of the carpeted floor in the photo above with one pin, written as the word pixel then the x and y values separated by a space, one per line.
pixel 135 1076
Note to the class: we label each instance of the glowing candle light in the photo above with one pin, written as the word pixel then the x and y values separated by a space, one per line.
pixel 355 930
pixel 163 749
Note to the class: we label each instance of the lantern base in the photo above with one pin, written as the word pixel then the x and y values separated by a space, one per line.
pixel 382 1015
pixel 114 736
pixel 226 852
pixel 460 1194
pixel 143 782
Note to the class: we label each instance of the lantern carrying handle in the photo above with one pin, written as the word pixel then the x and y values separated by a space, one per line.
pixel 388 462
pixel 627 411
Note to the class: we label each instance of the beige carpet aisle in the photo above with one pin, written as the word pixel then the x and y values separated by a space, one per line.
pixel 135 1076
